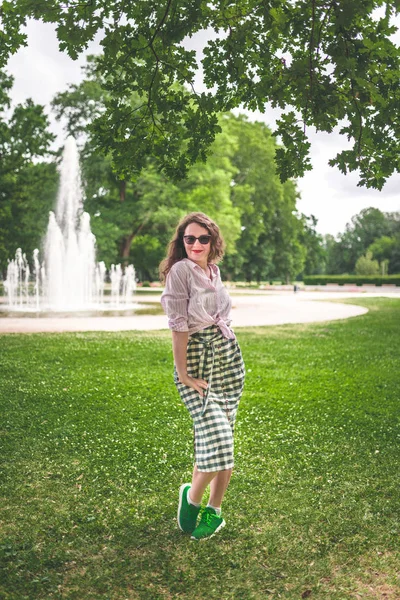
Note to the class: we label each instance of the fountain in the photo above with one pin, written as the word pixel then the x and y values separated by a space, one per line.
pixel 69 279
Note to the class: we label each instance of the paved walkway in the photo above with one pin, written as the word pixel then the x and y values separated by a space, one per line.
pixel 250 309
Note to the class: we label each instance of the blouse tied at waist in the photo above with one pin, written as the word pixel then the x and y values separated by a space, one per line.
pixel 193 302
pixel 206 362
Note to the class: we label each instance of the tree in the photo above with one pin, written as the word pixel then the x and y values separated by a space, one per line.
pixel 255 191
pixel 290 254
pixel 363 229
pixel 365 265
pixel 334 257
pixel 33 197
pixel 382 248
pixel 386 249
pixel 24 133
pixel 325 64
pixel 394 262
pixel 27 188
pixel 313 242
pixel 269 245
pixel 153 204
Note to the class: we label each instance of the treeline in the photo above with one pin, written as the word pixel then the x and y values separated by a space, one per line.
pixel 370 245
pixel 266 236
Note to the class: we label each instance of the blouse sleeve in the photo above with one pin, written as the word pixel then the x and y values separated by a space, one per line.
pixel 175 298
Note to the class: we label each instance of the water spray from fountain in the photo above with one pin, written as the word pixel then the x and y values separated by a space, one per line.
pixel 69 279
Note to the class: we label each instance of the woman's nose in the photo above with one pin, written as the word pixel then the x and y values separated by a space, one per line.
pixel 197 245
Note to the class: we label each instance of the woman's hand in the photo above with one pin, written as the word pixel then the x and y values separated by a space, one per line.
pixel 197 384
pixel 179 346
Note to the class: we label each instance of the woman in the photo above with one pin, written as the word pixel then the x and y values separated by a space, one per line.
pixel 209 370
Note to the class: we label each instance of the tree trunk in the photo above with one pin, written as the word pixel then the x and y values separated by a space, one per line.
pixel 128 239
pixel 126 247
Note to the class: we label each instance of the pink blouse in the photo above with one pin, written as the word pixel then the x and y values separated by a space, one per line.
pixel 192 301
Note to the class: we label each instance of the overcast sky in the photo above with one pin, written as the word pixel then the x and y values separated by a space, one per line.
pixel 41 70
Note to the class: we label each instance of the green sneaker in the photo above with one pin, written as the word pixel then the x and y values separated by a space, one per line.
pixel 187 513
pixel 210 524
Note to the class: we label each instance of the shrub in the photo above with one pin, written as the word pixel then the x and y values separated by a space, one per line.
pixel 365 265
pixel 352 279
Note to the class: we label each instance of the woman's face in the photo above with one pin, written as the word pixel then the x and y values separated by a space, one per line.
pixel 197 252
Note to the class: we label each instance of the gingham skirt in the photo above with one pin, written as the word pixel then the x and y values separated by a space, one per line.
pixel 219 361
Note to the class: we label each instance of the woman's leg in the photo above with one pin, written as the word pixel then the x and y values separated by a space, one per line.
pixel 218 480
pixel 200 481
pixel 218 487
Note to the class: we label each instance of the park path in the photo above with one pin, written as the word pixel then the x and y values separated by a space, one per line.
pixel 250 309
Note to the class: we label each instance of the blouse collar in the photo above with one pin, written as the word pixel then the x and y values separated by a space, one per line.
pixel 213 267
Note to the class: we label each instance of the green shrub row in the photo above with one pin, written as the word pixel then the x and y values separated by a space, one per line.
pixel 351 279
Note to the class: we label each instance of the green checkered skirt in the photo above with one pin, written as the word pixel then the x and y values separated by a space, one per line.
pixel 217 360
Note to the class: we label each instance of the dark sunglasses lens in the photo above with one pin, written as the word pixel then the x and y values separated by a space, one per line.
pixel 204 239
pixel 190 239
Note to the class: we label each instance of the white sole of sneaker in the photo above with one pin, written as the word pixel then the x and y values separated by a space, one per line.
pixel 181 490
pixel 210 536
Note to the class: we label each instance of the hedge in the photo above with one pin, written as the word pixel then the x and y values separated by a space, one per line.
pixel 352 279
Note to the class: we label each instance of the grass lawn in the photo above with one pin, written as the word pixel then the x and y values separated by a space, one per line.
pixel 95 443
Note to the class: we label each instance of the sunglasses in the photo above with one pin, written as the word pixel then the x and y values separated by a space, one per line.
pixel 203 239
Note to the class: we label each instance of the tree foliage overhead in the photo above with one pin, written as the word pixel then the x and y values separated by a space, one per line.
pixel 324 63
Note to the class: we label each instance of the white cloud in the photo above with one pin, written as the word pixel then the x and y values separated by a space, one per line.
pixel 41 70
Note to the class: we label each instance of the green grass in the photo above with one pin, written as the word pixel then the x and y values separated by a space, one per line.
pixel 95 443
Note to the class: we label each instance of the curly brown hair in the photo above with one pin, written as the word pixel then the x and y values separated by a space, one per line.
pixel 176 248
